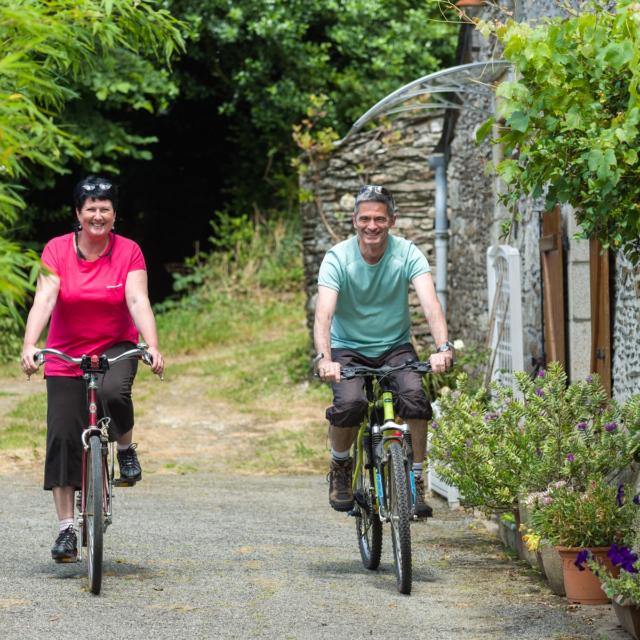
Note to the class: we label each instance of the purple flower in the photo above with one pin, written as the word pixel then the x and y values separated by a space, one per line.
pixel 623 556
pixel 611 426
pixel 581 558
pixel 620 495
pixel 581 426
pixel 540 393
pixel 434 425
pixel 490 416
pixel 541 373
pixel 589 379
pixel 636 499
pixel 570 457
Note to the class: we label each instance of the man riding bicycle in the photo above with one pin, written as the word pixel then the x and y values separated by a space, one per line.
pixel 362 318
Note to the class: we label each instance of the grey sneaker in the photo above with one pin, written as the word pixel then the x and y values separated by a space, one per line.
pixel 130 471
pixel 423 510
pixel 65 548
pixel 340 491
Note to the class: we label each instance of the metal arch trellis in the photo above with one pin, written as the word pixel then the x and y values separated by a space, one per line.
pixel 438 90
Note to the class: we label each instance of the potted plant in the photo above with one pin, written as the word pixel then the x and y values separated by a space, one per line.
pixel 583 522
pixel 623 587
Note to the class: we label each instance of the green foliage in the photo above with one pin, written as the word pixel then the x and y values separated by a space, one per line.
pixel 508 445
pixel 592 517
pixel 59 60
pixel 265 62
pixel 571 117
pixel 248 255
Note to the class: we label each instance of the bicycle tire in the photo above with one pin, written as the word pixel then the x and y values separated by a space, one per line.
pixel 94 513
pixel 368 524
pixel 400 515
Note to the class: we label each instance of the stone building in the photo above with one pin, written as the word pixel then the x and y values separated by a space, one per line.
pixel 397 155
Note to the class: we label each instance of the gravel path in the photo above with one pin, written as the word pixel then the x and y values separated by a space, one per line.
pixel 208 556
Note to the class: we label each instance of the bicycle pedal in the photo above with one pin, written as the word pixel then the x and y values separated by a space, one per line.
pixel 120 482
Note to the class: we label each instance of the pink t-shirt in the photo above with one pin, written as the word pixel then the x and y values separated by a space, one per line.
pixel 91 313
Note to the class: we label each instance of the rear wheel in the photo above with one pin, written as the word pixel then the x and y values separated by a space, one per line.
pixel 368 525
pixel 94 517
pixel 400 515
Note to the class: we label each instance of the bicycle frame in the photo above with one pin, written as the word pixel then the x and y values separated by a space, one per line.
pixel 380 436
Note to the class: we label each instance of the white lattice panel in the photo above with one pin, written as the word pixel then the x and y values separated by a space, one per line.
pixel 505 309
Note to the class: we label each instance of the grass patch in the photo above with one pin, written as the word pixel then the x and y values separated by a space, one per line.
pixel 180 469
pixel 24 427
pixel 289 452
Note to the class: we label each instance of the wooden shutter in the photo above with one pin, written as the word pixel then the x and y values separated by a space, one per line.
pixel 599 268
pixel 552 257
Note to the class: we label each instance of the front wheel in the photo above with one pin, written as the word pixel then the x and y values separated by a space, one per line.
pixel 94 517
pixel 368 524
pixel 400 515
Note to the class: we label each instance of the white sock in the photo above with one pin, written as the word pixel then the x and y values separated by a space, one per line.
pixel 65 523
pixel 417 469
pixel 340 456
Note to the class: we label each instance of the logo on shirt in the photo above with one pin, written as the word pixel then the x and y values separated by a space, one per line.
pixel 113 286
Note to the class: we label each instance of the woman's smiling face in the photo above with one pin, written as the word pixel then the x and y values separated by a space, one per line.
pixel 96 217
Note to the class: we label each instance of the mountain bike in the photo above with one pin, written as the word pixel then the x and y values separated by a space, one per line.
pixel 383 482
pixel 94 502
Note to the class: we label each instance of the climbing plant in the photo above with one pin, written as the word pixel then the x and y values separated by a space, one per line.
pixel 569 120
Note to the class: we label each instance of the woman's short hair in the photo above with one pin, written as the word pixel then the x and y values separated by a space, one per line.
pixel 95 187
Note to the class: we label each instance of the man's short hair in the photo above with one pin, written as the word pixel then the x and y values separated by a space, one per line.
pixel 375 193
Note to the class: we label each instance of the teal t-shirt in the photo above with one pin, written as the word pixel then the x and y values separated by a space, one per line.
pixel 372 312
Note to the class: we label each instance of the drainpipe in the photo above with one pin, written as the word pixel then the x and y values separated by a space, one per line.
pixel 438 162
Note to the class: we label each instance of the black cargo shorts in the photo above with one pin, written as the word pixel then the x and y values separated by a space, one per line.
pixel 350 402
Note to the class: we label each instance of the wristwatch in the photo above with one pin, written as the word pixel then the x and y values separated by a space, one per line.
pixel 445 346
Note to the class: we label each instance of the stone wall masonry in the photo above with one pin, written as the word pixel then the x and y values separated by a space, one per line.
pixel 394 155
pixel 626 335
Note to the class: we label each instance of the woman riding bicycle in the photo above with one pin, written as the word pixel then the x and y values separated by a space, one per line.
pixel 94 290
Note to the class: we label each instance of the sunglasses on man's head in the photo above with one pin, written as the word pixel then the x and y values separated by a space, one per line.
pixel 371 188
pixel 103 186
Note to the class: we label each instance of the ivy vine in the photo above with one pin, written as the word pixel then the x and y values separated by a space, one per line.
pixel 569 121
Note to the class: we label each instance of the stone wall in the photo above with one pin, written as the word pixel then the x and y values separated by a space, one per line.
pixel 393 155
pixel 626 333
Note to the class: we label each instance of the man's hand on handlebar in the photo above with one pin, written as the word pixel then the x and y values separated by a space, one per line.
pixel 328 371
pixel 441 362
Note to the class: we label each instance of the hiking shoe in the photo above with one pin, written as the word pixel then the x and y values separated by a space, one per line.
pixel 65 548
pixel 423 510
pixel 340 491
pixel 130 470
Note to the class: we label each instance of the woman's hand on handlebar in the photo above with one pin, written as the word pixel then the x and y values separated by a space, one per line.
pixel 328 371
pixel 28 361
pixel 157 361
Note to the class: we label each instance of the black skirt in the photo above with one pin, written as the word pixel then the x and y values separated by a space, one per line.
pixel 68 416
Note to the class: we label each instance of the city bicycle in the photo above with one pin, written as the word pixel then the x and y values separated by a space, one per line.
pixel 94 501
pixel 383 481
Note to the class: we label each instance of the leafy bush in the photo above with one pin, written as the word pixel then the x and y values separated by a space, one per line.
pixel 497 448
pixel 570 121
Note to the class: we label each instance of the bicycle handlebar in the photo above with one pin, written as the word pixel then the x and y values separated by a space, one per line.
pixel 140 352
pixel 360 371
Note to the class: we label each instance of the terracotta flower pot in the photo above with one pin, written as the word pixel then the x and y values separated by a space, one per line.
pixel 629 617
pixel 583 587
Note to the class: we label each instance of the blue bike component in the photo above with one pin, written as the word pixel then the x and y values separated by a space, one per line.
pixel 379 491
pixel 412 484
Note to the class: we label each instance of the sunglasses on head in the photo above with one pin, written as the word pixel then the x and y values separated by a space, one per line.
pixel 103 186
pixel 372 188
